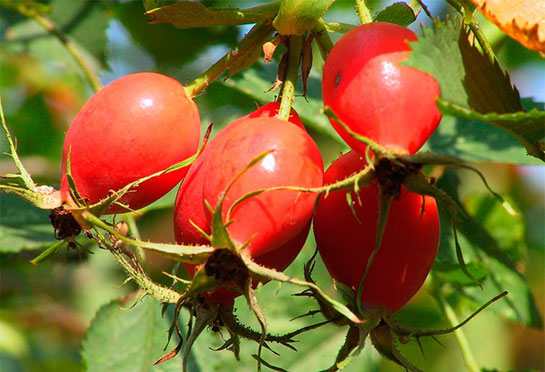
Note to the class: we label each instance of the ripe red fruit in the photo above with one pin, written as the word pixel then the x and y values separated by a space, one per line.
pixel 271 110
pixel 136 126
pixel 409 243
pixel 373 95
pixel 276 222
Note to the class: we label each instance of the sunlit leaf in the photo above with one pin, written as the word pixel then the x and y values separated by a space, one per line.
pixel 473 83
pixel 128 340
pixel 398 13
pixel 522 20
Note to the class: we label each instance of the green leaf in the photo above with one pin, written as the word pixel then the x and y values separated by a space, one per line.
pixel 472 80
pixel 476 141
pixel 479 245
pixel 128 340
pixel 191 14
pixel 165 43
pixel 398 13
pixel 527 127
pixel 23 226
pixel 473 84
pixel 452 273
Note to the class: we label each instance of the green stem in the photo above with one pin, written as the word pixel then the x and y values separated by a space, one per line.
pixel 469 359
pixel 479 34
pixel 363 12
pixel 257 35
pixel 189 254
pixel 471 21
pixel 163 294
pixel 338 27
pixel 129 218
pixel 288 90
pixel 92 79
pixel 24 175
pixel 322 38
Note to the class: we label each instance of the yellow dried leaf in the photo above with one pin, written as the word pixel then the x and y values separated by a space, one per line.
pixel 523 20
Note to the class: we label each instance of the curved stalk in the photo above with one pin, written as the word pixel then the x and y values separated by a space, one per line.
pixel 91 77
pixel 363 12
pixel 288 90
pixel 469 358
pixel 257 35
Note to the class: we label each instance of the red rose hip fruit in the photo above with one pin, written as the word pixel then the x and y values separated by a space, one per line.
pixel 408 247
pixel 275 223
pixel 138 125
pixel 367 89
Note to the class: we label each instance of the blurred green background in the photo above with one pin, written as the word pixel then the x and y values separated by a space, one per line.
pixel 45 309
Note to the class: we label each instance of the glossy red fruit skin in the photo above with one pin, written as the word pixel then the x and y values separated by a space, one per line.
pixel 373 95
pixel 133 127
pixel 278 221
pixel 271 110
pixel 409 243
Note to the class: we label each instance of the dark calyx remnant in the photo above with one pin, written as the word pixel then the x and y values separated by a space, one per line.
pixel 64 223
pixel 392 173
pixel 226 266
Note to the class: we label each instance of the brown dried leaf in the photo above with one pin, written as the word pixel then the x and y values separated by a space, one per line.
pixel 269 47
pixel 523 20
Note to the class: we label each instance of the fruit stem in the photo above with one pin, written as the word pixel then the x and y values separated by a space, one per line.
pixel 288 90
pixel 91 77
pixel 163 294
pixel 322 38
pixel 473 24
pixel 363 12
pixel 256 36
pixel 338 27
pixel 469 359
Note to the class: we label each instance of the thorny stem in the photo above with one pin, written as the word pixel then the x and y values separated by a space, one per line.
pixel 25 176
pixel 158 292
pixel 479 34
pixel 469 359
pixel 91 77
pixel 471 21
pixel 197 255
pixel 257 35
pixel 129 218
pixel 363 12
pixel 288 89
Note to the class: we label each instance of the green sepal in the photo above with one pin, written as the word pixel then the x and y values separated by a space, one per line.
pixel 46 253
pixel 220 235
pixel 183 253
pixel 39 200
pixel 296 17
pixel 74 194
pixel 383 341
pixel 263 274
